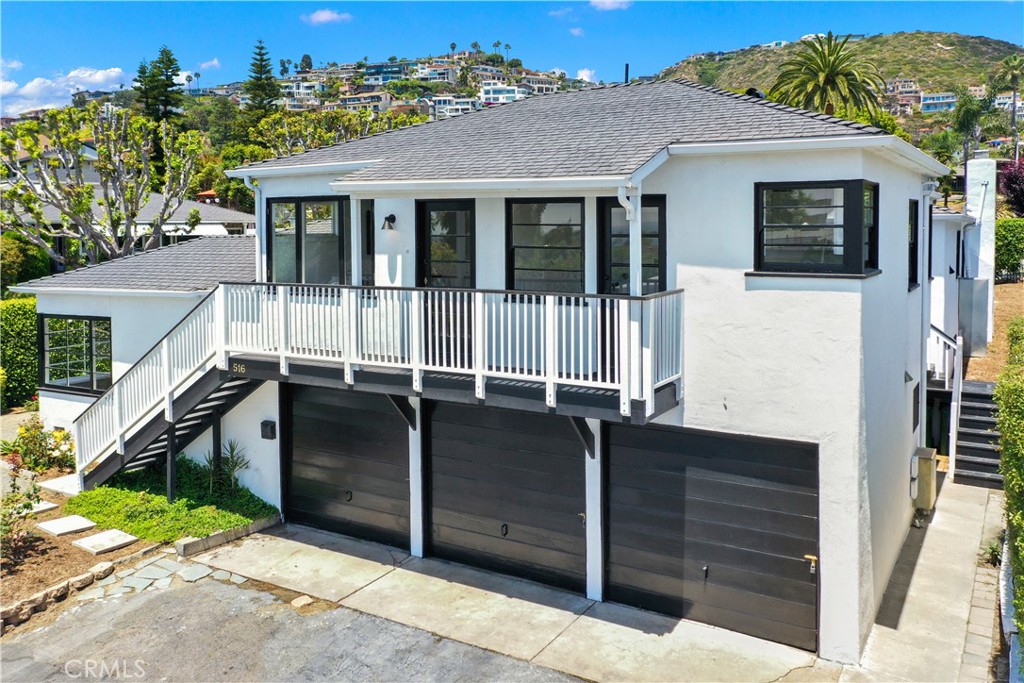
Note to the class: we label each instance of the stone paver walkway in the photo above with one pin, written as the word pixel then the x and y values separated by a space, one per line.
pixel 156 572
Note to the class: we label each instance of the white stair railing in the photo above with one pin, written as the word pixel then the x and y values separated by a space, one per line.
pixel 956 396
pixel 149 386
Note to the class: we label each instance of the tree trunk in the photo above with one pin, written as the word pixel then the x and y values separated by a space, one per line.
pixel 1013 127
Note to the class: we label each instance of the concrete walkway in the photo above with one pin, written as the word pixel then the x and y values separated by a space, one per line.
pixel 545 626
pixel 921 631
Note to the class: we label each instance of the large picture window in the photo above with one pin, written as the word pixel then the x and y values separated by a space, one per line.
pixel 76 353
pixel 817 227
pixel 545 245
pixel 309 240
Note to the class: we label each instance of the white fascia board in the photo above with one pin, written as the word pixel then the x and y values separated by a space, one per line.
pixel 301 169
pixel 481 184
pixel 96 291
pixel 898 150
pixel 649 166
pixel 957 219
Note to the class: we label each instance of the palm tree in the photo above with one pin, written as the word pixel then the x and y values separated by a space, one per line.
pixel 475 46
pixel 1010 71
pixel 451 55
pixel 496 45
pixel 197 75
pixel 507 48
pixel 966 119
pixel 188 81
pixel 826 75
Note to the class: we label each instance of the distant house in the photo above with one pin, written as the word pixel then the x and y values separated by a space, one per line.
pixel 493 92
pixel 376 101
pixel 384 72
pixel 540 83
pixel 445 106
pixel 932 102
pixel 437 73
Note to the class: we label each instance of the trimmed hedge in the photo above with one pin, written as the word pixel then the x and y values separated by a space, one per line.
pixel 20 261
pixel 1009 396
pixel 1009 245
pixel 18 350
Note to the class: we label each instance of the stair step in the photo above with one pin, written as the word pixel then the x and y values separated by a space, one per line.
pixel 982 433
pixel 977 404
pixel 977 446
pixel 985 419
pixel 984 476
pixel 962 458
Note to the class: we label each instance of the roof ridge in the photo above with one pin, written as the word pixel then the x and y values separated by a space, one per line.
pixel 765 102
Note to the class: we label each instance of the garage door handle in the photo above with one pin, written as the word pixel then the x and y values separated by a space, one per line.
pixel 348 496
pixel 504 529
pixel 813 559
pixel 583 518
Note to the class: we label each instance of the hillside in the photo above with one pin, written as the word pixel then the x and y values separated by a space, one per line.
pixel 938 61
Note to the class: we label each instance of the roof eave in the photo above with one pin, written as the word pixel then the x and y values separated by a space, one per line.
pixel 299 169
pixel 94 291
pixel 571 183
pixel 898 150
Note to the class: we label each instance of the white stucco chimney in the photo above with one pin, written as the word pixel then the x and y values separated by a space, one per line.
pixel 981 240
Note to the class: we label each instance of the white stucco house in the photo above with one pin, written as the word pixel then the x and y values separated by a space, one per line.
pixel 660 344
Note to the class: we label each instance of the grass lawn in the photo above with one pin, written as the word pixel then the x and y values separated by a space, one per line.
pixel 134 502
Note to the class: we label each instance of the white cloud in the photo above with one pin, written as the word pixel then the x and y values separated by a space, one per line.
pixel 576 31
pixel 559 13
pixel 605 5
pixel 586 75
pixel 212 64
pixel 10 64
pixel 180 78
pixel 44 93
pixel 326 16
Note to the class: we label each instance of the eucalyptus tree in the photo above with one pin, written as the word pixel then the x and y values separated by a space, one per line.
pixel 44 166
pixel 827 74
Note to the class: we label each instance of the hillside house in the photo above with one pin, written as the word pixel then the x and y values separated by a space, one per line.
pixel 660 344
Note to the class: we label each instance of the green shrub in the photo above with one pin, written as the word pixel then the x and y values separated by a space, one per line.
pixel 18 349
pixel 1009 396
pixel 3 393
pixel 1009 244
pixel 134 502
pixel 39 449
pixel 20 261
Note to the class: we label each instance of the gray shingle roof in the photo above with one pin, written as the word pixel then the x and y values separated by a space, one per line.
pixel 190 266
pixel 602 131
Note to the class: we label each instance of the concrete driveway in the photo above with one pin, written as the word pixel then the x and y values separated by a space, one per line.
pixel 217 631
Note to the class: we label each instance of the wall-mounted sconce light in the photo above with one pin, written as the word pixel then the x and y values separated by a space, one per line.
pixel 389 222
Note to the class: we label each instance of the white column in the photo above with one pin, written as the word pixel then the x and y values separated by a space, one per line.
pixel 416 515
pixel 636 274
pixel 356 245
pixel 595 521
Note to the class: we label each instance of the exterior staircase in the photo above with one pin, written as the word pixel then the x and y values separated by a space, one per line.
pixel 166 400
pixel 977 441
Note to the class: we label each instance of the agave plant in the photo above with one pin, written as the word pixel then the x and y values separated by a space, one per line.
pixel 826 75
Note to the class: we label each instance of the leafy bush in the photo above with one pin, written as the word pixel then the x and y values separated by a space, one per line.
pixel 134 502
pixel 38 449
pixel 20 261
pixel 1009 395
pixel 15 520
pixel 3 393
pixel 18 349
pixel 1009 244
pixel 1011 186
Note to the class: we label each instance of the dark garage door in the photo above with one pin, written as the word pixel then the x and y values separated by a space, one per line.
pixel 349 466
pixel 507 492
pixel 714 529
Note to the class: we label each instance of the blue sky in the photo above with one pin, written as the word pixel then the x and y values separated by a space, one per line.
pixel 50 49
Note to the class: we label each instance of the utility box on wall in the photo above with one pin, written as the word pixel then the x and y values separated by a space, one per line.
pixel 923 485
pixel 268 430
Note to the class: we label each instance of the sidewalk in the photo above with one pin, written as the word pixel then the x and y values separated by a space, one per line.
pixel 922 632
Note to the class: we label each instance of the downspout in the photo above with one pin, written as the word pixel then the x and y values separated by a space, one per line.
pixel 261 246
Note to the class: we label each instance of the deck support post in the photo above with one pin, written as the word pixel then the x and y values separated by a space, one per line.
pixel 217 441
pixel 171 462
pixel 594 476
pixel 416 497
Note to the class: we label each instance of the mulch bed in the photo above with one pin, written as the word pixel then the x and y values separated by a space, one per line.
pixel 50 559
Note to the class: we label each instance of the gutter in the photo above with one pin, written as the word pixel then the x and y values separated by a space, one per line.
pixel 610 183
pixel 898 149
pixel 301 169
pixel 96 291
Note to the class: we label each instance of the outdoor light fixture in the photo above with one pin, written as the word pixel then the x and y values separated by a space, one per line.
pixel 389 222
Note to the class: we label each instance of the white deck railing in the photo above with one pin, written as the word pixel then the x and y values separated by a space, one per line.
pixel 631 345
pixel 149 386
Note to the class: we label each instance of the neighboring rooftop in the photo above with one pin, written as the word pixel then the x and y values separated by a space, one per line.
pixel 191 266
pixel 210 213
pixel 602 131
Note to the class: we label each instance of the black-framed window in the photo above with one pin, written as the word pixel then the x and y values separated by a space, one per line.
pixel 816 227
pixel 545 245
pixel 613 254
pixel 309 238
pixel 75 353
pixel 913 270
pixel 366 212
